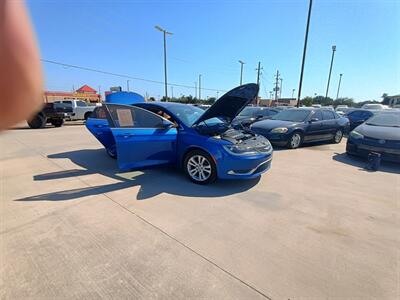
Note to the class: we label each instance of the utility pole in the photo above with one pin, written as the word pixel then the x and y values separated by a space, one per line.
pixel 280 89
pixel 199 86
pixel 258 80
pixel 172 92
pixel 100 92
pixel 304 53
pixel 330 71
pixel 165 59
pixel 127 85
pixel 195 89
pixel 276 84
pixel 338 89
pixel 241 71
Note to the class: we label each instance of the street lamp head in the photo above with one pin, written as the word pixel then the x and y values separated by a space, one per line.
pixel 333 48
pixel 242 62
pixel 159 28
pixel 341 74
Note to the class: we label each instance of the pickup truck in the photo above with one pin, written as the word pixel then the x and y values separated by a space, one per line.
pixel 50 113
pixel 80 110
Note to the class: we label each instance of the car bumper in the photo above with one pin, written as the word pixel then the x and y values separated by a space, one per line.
pixel 242 167
pixel 278 139
pixel 361 149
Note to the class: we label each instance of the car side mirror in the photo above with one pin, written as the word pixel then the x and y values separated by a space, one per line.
pixel 314 120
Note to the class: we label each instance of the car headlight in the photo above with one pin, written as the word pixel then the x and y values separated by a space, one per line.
pixel 239 150
pixel 279 130
pixel 356 135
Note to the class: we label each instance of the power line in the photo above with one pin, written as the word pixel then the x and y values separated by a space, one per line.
pixel 123 75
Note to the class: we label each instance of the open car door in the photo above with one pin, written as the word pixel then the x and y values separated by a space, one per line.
pixel 142 138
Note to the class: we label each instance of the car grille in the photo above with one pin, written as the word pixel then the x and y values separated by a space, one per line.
pixel 381 142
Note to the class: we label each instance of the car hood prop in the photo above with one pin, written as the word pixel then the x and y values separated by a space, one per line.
pixel 231 104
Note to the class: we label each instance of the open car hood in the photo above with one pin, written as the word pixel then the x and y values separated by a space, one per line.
pixel 231 104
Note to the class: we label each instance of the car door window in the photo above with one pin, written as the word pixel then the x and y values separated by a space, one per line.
pixel 356 115
pixel 328 115
pixel 99 113
pixel 134 117
pixel 81 103
pixel 317 115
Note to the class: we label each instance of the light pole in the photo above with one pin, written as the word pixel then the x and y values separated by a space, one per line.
pixel 165 59
pixel 199 86
pixel 241 71
pixel 195 89
pixel 330 71
pixel 338 88
pixel 127 85
pixel 293 93
pixel 304 53
pixel 280 90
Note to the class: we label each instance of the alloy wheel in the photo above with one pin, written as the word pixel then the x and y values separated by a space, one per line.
pixel 338 136
pixel 295 140
pixel 199 168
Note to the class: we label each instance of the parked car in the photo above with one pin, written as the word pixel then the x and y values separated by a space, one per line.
pixel 50 113
pixel 201 142
pixel 359 116
pixel 293 127
pixel 374 106
pixel 80 109
pixel 381 134
pixel 251 114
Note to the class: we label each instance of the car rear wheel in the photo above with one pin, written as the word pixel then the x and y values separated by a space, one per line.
pixel 337 138
pixel 295 140
pixel 87 115
pixel 38 121
pixel 200 167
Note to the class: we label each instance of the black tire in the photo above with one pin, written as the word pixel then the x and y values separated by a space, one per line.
pixel 208 169
pixel 57 122
pixel 87 115
pixel 338 136
pixel 38 121
pixel 295 140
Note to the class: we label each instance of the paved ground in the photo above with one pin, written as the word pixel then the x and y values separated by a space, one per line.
pixel 316 226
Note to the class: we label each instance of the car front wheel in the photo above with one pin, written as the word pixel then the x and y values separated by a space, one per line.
pixel 295 140
pixel 200 167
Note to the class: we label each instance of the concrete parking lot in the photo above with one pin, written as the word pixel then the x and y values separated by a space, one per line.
pixel 316 226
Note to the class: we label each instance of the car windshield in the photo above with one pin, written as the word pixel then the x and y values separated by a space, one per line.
pixel 188 114
pixel 247 112
pixel 292 115
pixel 385 120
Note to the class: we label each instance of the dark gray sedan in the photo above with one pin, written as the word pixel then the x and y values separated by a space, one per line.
pixel 379 134
pixel 293 127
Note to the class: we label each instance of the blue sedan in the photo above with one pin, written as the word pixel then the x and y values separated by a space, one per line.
pixel 202 143
pixel 293 127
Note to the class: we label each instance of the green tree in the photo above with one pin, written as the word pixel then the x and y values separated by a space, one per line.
pixel 307 101
pixel 344 101
pixel 385 98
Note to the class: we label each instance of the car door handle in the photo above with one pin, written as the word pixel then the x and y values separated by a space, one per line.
pixel 125 136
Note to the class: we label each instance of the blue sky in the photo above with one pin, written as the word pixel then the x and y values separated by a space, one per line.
pixel 211 36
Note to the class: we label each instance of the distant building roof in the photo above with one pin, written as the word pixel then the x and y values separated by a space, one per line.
pixel 86 89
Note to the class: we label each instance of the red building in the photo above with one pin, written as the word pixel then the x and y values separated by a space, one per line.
pixel 85 93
